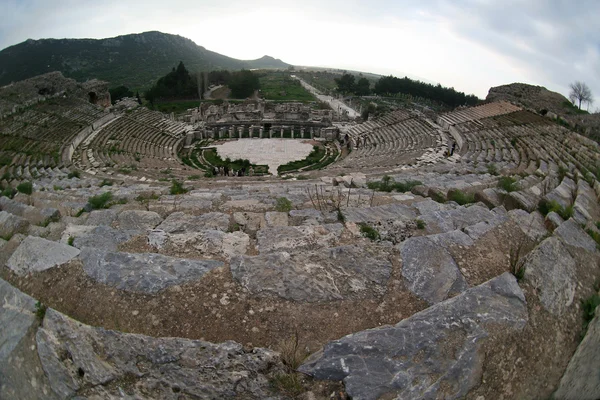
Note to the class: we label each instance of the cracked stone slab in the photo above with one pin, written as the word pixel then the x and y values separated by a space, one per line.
pixel 138 220
pixel 207 242
pixel 292 237
pixel 571 234
pixel 313 276
pixel 11 224
pixel 166 368
pixel 35 254
pixel 552 271
pixel 142 272
pixel 429 270
pixel 179 222
pixel 432 354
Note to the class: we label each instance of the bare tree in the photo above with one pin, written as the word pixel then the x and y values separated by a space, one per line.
pixel 581 93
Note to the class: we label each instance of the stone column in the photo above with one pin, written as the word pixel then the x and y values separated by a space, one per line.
pixel 281 132
pixel 271 133
pixel 231 131
pixel 261 131
pixel 302 133
pixel 312 132
pixel 188 139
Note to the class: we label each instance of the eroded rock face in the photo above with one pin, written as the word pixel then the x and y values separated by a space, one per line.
pixel 433 354
pixel 142 272
pixel 138 220
pixel 21 376
pixel 572 234
pixel 581 380
pixel 209 243
pixel 101 237
pixel 294 237
pixel 321 275
pixel 179 222
pixel 552 271
pixel 428 268
pixel 35 254
pixel 11 224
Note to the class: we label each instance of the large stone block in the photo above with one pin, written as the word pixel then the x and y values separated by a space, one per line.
pixel 433 354
pixel 35 254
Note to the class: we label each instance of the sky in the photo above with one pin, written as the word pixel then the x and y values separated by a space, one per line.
pixel 470 45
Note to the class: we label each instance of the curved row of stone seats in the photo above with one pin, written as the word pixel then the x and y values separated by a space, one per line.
pixel 408 141
pixel 277 269
pixel 476 113
pixel 158 120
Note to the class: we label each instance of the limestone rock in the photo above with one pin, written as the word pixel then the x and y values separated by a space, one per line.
pixel 142 272
pixel 321 275
pixel 35 254
pixel 21 375
pixel 207 242
pixel 165 368
pixel 572 234
pixel 552 271
pixel 293 237
pixel 308 216
pixel 103 237
pixel 491 197
pixel 429 270
pixel 399 212
pixel 138 220
pixel 581 380
pixel 553 220
pixel 274 218
pixel 521 200
pixel 102 217
pixel 249 221
pixel 432 354
pixel 459 218
pixel 34 215
pixel 11 224
pixel 532 225
pixel 179 222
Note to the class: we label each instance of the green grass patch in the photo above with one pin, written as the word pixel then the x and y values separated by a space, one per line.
pixel 388 184
pixel 589 306
pixel 40 310
pixel 545 207
pixel 492 169
pixel 281 86
pixel 177 187
pixel 461 197
pixel 421 224
pixel 314 161
pixel 25 188
pixel 71 240
pixel 283 204
pixel 369 232
pixel 508 184
pixel 106 182
pixel 100 201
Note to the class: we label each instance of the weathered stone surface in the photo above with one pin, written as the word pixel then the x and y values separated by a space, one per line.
pixel 429 270
pixel 553 220
pixel 247 204
pixel 102 237
pixel 380 213
pixel 521 200
pixel 491 197
pixel 572 234
pixel 138 220
pixel 34 215
pixel 249 221
pixel 532 225
pixel 459 218
pixel 428 206
pixel 563 193
pixel 307 216
pixel 165 368
pixel 274 218
pixel 142 272
pixel 11 224
pixel 35 254
pixel 21 376
pixel 322 275
pixel 179 222
pixel 207 242
pixel 102 217
pixel 552 271
pixel 581 380
pixel 433 354
pixel 293 237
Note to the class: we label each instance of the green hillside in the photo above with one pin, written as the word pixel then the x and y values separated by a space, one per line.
pixel 135 60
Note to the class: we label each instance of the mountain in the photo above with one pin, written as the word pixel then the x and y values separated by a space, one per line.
pixel 135 60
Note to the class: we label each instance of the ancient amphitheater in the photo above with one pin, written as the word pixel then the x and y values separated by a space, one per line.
pixel 444 257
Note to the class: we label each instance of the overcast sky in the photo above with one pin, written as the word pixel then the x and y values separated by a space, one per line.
pixel 471 45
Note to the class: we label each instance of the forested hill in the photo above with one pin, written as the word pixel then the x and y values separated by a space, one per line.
pixel 135 60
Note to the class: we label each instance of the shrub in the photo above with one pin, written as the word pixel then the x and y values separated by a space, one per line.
pixel 589 310
pixel 283 204
pixel 74 174
pixel 195 177
pixel 100 201
pixel 9 192
pixel 340 216
pixel 369 232
pixel 507 183
pixel 106 182
pixel 40 310
pixel 25 187
pixel 388 184
pixel 70 240
pixel 546 207
pixel 461 197
pixel 177 187
pixel 421 224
